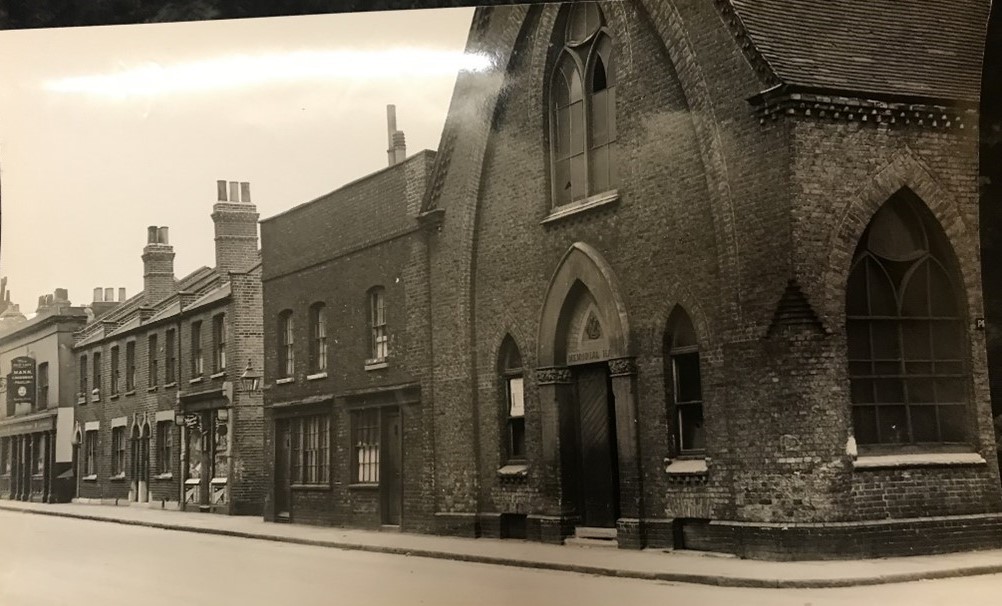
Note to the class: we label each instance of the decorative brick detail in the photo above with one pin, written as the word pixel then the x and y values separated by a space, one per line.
pixel 553 375
pixel 620 367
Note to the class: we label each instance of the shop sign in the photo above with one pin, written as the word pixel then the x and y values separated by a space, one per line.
pixel 22 381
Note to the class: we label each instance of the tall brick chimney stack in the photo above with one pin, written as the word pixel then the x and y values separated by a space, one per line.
pixel 396 152
pixel 235 219
pixel 158 267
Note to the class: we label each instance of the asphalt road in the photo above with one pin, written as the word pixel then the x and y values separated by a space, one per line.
pixel 56 561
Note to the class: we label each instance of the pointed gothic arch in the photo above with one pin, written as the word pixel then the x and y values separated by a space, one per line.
pixel 581 274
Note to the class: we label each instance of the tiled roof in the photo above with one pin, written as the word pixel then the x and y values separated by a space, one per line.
pixel 216 294
pixel 926 48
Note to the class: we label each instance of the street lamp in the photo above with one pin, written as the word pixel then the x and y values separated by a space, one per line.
pixel 250 380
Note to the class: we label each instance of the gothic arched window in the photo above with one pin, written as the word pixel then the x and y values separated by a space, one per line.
pixel 583 108
pixel 905 332
pixel 683 372
pixel 510 368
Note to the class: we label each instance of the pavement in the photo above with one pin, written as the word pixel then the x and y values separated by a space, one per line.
pixel 650 564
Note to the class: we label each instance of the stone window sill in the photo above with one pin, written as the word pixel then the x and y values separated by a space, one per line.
pixel 514 470
pixel 580 206
pixel 131 392
pixel 686 467
pixel 310 487
pixel 170 385
pixel 114 396
pixel 375 364
pixel 218 375
pixel 918 460
pixel 284 380
pixel 195 380
pixel 164 476
pixel 82 400
pixel 152 389
pixel 364 486
pixel 118 478
pixel 91 478
pixel 37 476
pixel 317 376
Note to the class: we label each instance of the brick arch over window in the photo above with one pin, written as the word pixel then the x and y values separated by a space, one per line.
pixel 581 267
pixel 904 172
pixel 908 356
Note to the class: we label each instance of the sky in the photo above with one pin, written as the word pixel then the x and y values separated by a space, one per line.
pixel 107 130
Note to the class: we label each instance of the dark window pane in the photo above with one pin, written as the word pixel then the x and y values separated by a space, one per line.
pixel 924 423
pixel 864 422
pixel 856 298
pixel 562 132
pixel 882 298
pixel 915 301
pixel 919 368
pixel 947 338
pixel 921 390
pixel 578 177
pixel 687 379
pixel 862 391
pixel 517 437
pixel 889 390
pixel 885 340
pixel 858 335
pixel 577 124
pixel 887 368
pixel 942 292
pixel 915 335
pixel 691 421
pixel 892 424
pixel 599 119
pixel 949 368
pixel 562 179
pixel 952 423
pixel 895 232
pixel 950 390
pixel 600 170
pixel 598 80
pixel 860 369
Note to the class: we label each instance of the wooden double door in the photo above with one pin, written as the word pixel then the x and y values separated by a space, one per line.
pixel 595 457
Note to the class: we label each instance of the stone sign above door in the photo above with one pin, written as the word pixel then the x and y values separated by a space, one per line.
pixel 587 341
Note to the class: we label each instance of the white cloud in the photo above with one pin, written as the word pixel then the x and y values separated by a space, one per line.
pixel 244 70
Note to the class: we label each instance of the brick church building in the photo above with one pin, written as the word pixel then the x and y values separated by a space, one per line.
pixel 686 274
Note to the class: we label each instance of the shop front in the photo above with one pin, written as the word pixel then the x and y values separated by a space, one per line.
pixel 28 468
pixel 205 454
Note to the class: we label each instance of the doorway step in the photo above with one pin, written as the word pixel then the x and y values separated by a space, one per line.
pixel 585 536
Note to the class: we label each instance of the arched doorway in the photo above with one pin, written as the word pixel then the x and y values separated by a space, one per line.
pixel 586 371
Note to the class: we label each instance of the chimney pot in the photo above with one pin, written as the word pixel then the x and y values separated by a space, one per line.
pixel 98 295
pixel 109 294
pixel 48 300
pixel 162 236
pixel 121 295
pixel 221 190
pixel 151 234
pixel 234 191
pixel 62 294
pixel 245 192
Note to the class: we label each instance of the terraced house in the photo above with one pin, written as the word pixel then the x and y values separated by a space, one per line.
pixel 161 417
pixel 697 274
pixel 36 423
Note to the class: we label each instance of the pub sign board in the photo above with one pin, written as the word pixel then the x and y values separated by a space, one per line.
pixel 22 381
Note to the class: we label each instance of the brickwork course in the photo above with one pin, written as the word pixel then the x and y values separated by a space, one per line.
pixel 754 143
pixel 161 465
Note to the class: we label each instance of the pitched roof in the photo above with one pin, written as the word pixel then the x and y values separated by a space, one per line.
pixel 924 48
